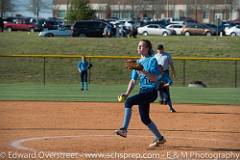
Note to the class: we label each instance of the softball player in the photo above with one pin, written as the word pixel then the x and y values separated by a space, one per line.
pixel 165 60
pixel 147 93
pixel 83 67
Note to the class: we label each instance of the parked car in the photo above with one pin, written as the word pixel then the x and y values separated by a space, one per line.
pixel 233 31
pixel 175 20
pixel 37 22
pixel 58 20
pixel 19 24
pixel 91 28
pixel 212 27
pixel 175 27
pixel 118 22
pixel 11 19
pixel 153 29
pixel 225 25
pixel 51 24
pixel 162 22
pixel 61 31
pixel 195 29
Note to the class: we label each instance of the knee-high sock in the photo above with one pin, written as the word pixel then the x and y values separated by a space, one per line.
pixel 86 85
pixel 168 98
pixel 160 94
pixel 169 103
pixel 127 117
pixel 154 130
pixel 82 85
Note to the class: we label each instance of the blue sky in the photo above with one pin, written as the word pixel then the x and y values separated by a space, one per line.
pixel 22 9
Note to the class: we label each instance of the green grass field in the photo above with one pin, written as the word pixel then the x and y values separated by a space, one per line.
pixel 196 46
pixel 109 93
pixel 22 78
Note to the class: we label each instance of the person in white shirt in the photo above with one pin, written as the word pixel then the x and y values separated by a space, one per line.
pixel 164 60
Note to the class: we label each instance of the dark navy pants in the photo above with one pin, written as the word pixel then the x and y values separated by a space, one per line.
pixel 143 100
pixel 84 76
pixel 164 92
pixel 165 95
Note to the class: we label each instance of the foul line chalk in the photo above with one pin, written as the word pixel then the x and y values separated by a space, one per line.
pixel 19 143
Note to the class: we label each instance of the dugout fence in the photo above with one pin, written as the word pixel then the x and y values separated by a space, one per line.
pixel 62 69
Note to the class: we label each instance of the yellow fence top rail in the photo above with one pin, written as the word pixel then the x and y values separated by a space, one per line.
pixel 114 57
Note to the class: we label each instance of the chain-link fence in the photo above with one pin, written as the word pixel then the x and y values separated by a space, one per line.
pixel 63 70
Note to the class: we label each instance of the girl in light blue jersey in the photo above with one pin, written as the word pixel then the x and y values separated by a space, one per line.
pixel 148 77
pixel 83 67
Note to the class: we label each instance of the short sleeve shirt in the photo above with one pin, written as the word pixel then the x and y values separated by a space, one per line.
pixel 150 65
pixel 164 60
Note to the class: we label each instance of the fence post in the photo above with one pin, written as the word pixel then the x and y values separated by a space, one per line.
pixel 89 71
pixel 184 72
pixel 236 78
pixel 44 71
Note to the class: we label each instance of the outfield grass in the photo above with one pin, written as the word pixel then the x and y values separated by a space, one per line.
pixel 109 93
pixel 197 46
pixel 62 77
pixel 112 71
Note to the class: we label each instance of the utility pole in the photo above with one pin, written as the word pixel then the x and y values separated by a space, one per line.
pixel 168 8
pixel 195 10
pixel 2 8
pixel 67 5
pixel 119 15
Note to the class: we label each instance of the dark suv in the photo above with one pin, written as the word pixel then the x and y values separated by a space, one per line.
pixel 90 28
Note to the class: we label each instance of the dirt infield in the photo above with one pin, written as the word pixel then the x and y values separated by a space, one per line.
pixel 73 130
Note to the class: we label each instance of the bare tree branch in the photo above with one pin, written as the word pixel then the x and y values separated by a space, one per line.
pixel 6 6
pixel 36 6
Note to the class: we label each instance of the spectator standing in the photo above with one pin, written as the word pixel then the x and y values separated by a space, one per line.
pixel 107 32
pixel 1 24
pixel 133 32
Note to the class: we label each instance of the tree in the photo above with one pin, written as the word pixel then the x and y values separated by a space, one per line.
pixel 108 11
pixel 236 6
pixel 35 6
pixel 79 10
pixel 5 6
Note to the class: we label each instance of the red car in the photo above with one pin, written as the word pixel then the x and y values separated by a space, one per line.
pixel 19 25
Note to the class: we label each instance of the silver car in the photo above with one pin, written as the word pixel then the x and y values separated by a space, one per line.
pixel 175 27
pixel 61 31
pixel 153 29
pixel 233 31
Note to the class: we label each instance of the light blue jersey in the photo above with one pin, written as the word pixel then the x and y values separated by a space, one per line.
pixel 83 66
pixel 150 65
